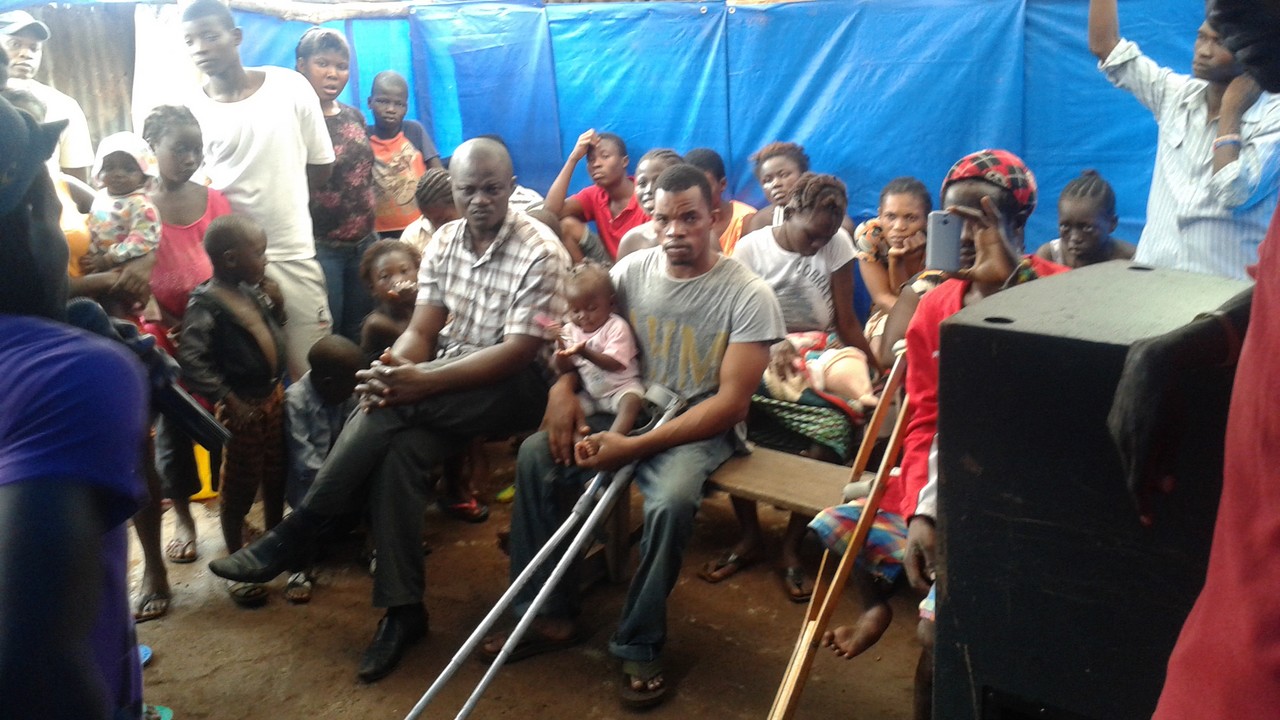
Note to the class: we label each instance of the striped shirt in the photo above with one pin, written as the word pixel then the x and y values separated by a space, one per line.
pixel 1198 220
pixel 508 290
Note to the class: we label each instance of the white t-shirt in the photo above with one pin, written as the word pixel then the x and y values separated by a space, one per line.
pixel 802 284
pixel 256 152
pixel 75 149
pixel 418 234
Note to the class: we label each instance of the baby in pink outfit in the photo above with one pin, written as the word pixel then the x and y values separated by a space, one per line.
pixel 599 345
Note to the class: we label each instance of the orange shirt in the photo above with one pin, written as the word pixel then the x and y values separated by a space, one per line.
pixel 73 226
pixel 397 165
pixel 733 232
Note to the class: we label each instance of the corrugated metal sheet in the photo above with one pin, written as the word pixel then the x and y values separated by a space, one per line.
pixel 89 56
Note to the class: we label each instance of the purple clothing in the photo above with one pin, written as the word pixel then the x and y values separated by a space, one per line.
pixel 73 409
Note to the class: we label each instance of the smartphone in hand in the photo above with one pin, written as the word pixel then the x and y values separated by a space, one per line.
pixel 942 252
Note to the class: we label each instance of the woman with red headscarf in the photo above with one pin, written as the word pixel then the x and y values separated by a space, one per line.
pixel 994 192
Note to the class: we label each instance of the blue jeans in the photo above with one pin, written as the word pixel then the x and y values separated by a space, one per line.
pixel 349 299
pixel 671 483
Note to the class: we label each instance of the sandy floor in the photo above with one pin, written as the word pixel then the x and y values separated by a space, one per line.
pixel 727 648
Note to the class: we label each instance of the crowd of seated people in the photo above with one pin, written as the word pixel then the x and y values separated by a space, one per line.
pixel 349 304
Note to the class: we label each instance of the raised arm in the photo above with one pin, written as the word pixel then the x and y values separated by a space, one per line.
pixel 555 200
pixel 1104 28
pixel 1230 146
pixel 876 278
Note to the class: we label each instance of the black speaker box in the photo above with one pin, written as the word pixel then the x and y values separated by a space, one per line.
pixel 1053 600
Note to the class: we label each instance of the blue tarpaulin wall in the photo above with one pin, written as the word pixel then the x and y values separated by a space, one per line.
pixel 872 88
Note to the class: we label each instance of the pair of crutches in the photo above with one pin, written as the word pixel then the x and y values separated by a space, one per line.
pixel 595 502
pixel 827 590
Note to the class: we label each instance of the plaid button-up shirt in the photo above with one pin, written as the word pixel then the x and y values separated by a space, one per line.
pixel 513 288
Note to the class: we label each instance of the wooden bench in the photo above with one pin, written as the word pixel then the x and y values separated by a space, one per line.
pixel 790 482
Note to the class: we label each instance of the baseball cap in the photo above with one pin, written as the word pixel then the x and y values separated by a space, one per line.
pixel 11 23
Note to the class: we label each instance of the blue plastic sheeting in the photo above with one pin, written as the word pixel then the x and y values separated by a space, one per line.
pixel 1076 119
pixel 654 73
pixel 270 40
pixel 487 68
pixel 874 89
pixel 379 44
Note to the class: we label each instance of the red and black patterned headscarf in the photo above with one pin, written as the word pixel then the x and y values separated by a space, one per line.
pixel 1000 168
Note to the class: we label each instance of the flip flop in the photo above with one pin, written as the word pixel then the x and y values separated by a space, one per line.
pixel 644 672
pixel 298 589
pixel 248 595
pixel 180 552
pixel 144 655
pixel 472 510
pixel 796 583
pixel 156 712
pixel 534 644
pixel 151 606
pixel 725 567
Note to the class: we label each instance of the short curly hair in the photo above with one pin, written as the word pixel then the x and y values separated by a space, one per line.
pixel 381 248
pixel 789 150
pixel 589 275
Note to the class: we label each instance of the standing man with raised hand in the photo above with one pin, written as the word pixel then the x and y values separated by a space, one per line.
pixel 23 38
pixel 1216 174
pixel 1226 663
pixel 265 145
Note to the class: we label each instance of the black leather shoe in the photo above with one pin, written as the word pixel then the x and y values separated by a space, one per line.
pixel 396 632
pixel 283 548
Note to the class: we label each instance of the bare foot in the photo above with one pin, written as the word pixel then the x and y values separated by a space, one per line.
pixel 182 546
pixel 849 642
pixel 184 526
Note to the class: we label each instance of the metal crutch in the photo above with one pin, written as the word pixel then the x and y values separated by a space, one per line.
pixel 671 405
pixel 827 591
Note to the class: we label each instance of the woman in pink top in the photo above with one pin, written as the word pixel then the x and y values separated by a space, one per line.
pixel 186 209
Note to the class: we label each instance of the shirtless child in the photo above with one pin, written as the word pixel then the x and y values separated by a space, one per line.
pixel 232 353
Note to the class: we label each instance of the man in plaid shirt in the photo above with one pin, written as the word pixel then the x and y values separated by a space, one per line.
pixel 472 363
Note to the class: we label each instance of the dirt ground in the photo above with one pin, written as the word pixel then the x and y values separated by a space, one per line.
pixel 726 651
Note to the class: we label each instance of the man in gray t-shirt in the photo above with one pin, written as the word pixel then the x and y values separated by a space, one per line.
pixel 704 324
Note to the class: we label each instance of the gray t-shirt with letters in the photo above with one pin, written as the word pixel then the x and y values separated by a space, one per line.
pixel 683 327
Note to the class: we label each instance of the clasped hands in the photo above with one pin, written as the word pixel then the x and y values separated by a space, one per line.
pixel 392 380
